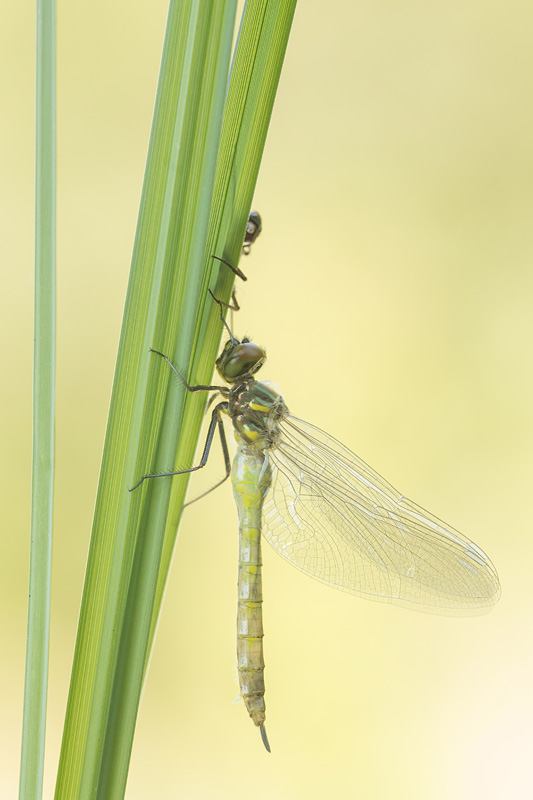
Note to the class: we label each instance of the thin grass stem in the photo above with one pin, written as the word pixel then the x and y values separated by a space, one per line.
pixel 38 635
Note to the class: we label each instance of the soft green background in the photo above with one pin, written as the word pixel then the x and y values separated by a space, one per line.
pixel 392 287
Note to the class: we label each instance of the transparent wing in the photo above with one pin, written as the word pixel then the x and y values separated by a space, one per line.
pixel 332 516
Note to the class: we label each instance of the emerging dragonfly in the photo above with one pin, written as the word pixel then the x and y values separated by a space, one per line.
pixel 328 513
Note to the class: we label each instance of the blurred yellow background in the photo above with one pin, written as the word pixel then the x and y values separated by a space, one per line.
pixel 392 288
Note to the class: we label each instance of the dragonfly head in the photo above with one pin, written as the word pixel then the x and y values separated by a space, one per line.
pixel 239 360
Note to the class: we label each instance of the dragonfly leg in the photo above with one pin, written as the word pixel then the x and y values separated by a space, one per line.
pixel 236 270
pixel 210 402
pixel 233 306
pixel 221 304
pixel 227 461
pixel 199 388
pixel 216 419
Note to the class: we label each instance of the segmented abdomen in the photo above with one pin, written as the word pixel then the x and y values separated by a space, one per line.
pixel 250 478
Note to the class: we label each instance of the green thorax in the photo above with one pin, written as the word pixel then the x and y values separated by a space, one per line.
pixel 256 410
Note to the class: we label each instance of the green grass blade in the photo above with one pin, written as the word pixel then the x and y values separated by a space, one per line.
pixel 36 678
pixel 185 217
pixel 255 76
pixel 167 285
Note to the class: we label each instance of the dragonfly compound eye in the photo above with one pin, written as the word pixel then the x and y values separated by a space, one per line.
pixel 241 359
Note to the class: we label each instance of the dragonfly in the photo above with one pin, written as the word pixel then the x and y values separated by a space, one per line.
pixel 328 513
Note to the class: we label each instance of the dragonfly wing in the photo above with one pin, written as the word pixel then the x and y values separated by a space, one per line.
pixel 332 516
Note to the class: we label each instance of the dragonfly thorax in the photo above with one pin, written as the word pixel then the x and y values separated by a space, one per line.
pixel 256 410
pixel 239 360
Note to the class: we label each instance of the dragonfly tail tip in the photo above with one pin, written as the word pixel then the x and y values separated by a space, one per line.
pixel 264 737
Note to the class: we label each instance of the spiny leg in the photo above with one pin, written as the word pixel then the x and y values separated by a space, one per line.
pixel 253 229
pixel 215 420
pixel 223 440
pixel 233 306
pixel 227 463
pixel 221 305
pixel 236 270
pixel 199 388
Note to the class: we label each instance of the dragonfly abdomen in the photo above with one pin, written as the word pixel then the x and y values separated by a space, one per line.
pixel 250 660
pixel 250 479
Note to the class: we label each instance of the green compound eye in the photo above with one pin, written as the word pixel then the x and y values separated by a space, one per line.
pixel 240 359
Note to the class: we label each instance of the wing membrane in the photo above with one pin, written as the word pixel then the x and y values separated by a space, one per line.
pixel 332 516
